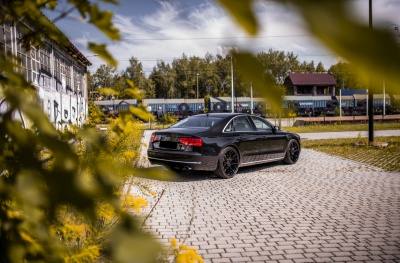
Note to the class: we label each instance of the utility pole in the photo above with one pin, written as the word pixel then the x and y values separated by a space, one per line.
pixel 232 92
pixel 197 80
pixel 370 92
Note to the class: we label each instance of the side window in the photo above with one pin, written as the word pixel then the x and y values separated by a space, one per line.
pixel 241 124
pixel 261 125
pixel 229 128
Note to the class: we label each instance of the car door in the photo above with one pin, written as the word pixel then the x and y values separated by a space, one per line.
pixel 242 130
pixel 273 143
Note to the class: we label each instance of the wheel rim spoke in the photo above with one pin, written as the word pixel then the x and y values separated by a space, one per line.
pixel 230 162
pixel 294 152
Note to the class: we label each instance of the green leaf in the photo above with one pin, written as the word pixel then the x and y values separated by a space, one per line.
pixel 135 93
pixel 103 21
pixel 375 52
pixel 100 49
pixel 251 70
pixel 129 244
pixel 242 12
pixel 108 91
pixel 141 113
pixel 111 1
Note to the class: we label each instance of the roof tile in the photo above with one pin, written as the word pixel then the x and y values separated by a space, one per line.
pixel 312 79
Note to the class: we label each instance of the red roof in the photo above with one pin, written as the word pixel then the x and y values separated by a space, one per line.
pixel 311 79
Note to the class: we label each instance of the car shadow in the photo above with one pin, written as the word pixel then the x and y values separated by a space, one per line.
pixel 192 176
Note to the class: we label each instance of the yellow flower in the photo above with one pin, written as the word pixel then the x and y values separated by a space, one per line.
pixel 135 203
pixel 174 242
pixel 185 254
pixel 129 155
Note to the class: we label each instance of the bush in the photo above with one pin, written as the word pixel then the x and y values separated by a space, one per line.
pixel 168 118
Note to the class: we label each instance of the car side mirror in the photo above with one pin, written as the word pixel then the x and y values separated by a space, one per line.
pixel 276 128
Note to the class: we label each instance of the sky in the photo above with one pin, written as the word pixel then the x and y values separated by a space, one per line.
pixel 155 30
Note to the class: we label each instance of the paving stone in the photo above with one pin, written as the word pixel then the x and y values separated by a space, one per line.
pixel 321 209
pixel 241 259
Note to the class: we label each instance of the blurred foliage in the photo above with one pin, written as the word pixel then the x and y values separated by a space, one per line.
pixel 347 77
pixel 96 115
pixel 29 11
pixel 168 118
pixel 75 187
pixel 61 192
pixel 184 254
pixel 45 179
pixel 374 52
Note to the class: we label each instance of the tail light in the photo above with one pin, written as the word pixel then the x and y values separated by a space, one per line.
pixel 153 138
pixel 191 141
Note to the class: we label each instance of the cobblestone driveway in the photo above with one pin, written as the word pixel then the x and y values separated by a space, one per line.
pixel 322 209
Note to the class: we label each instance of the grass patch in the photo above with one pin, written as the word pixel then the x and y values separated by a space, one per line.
pixel 342 127
pixel 386 158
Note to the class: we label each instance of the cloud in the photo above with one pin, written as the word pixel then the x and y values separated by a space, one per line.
pixel 175 27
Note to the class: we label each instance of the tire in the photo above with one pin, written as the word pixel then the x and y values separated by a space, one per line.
pixel 292 152
pixel 228 163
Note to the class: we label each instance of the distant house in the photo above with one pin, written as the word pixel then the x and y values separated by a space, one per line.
pixel 310 84
pixel 58 72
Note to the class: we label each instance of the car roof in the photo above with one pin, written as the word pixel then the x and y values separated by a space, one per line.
pixel 223 114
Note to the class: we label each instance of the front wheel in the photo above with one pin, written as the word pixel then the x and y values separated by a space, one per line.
pixel 292 152
pixel 228 163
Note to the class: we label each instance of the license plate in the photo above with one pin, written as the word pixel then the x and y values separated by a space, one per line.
pixel 165 138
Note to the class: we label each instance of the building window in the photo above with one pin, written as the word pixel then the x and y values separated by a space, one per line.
pixel 78 79
pixel 62 72
pixel 57 70
pixel 2 39
pixel 8 38
pixel 45 59
pixel 21 54
pixel 35 64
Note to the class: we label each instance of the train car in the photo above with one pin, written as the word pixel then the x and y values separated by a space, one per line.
pixel 347 104
pixel 240 104
pixel 394 105
pixel 111 108
pixel 180 107
pixel 307 106
pixel 302 106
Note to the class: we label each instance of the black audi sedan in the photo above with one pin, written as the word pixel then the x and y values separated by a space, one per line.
pixel 222 142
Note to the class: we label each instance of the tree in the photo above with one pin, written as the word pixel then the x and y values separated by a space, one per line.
pixel 346 76
pixel 311 67
pixel 163 77
pixel 320 68
pixel 278 64
pixel 222 67
pixel 135 72
pixel 121 87
pixel 181 67
pixel 104 77
pixel 149 88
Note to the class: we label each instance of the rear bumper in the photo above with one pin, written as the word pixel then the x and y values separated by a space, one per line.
pixel 191 160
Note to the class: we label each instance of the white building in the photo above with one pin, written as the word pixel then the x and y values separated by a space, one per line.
pixel 59 74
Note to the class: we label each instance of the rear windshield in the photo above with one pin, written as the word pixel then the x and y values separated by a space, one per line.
pixel 197 122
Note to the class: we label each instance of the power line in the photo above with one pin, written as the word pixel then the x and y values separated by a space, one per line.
pixel 172 58
pixel 198 38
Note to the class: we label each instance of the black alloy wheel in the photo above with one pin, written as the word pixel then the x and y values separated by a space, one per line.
pixel 228 163
pixel 292 152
